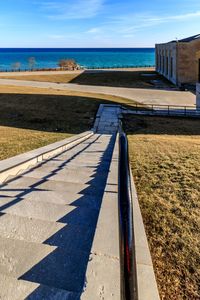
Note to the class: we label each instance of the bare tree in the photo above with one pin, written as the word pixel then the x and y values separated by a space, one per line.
pixel 31 62
pixel 16 65
pixel 68 64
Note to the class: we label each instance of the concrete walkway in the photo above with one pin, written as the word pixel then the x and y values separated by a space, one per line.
pixel 59 221
pixel 59 224
pixel 148 96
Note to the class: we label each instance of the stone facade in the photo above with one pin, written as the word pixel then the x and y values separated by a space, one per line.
pixel 198 95
pixel 179 61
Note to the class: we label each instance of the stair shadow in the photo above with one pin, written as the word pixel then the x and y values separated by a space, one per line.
pixel 65 267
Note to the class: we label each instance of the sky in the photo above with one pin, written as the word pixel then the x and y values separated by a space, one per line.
pixel 96 23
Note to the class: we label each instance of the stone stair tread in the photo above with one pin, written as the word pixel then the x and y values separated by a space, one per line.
pixel 48 221
pixel 67 175
pixel 61 198
pixel 15 289
pixel 39 210
pixel 27 229
pixel 43 264
pixel 79 188
pixel 17 257
pixel 48 233
pixel 20 183
pixel 42 172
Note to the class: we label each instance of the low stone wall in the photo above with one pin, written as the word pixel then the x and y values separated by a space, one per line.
pixel 198 95
pixel 13 166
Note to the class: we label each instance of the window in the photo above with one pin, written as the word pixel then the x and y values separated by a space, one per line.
pixel 199 70
pixel 167 66
pixel 163 64
pixel 171 67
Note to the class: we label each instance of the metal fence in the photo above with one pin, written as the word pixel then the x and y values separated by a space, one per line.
pixel 81 68
pixel 166 110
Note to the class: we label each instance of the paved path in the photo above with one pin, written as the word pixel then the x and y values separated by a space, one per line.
pixel 148 96
pixel 58 224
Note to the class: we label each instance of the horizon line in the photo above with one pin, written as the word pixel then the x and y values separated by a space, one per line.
pixel 77 47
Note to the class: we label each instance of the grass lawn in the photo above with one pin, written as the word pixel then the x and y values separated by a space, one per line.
pixel 58 78
pixel 131 79
pixel 33 117
pixel 164 156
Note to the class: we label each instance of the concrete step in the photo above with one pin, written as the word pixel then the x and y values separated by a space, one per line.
pixel 71 187
pixel 27 229
pixel 93 167
pixel 43 264
pixel 39 210
pixel 20 183
pixel 17 257
pixel 60 198
pixel 83 213
pixel 49 233
pixel 78 163
pixel 11 288
pixel 48 171
pixel 67 175
pixel 48 221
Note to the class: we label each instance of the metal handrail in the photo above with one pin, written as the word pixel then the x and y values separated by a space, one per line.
pixel 157 109
pixel 127 243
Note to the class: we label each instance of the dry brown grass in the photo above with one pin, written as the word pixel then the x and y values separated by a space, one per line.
pixel 14 141
pixel 164 155
pixel 32 117
pixel 131 79
pixel 58 78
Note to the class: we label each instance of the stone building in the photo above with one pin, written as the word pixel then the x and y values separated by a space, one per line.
pixel 198 95
pixel 179 61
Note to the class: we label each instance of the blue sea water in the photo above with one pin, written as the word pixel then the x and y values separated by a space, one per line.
pixel 87 58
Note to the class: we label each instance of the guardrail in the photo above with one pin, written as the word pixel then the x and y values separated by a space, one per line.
pixel 169 110
pixel 127 244
pixel 81 68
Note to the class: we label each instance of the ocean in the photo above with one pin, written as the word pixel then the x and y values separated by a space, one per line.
pixel 87 58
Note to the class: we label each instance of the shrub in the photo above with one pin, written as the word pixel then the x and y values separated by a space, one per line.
pixel 16 65
pixel 68 64
pixel 31 62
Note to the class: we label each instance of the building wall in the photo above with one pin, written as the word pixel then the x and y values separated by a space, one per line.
pixel 188 62
pixel 198 95
pixel 166 61
pixel 179 62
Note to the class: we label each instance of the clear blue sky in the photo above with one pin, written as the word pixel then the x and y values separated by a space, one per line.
pixel 96 23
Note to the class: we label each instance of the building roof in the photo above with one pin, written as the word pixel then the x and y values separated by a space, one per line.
pixel 189 39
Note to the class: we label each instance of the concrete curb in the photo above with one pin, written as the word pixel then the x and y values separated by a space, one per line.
pixel 146 281
pixel 14 165
pixel 98 116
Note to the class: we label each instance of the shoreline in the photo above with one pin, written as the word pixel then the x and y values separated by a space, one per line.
pixel 58 71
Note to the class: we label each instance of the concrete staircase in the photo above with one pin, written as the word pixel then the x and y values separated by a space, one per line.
pixel 59 224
